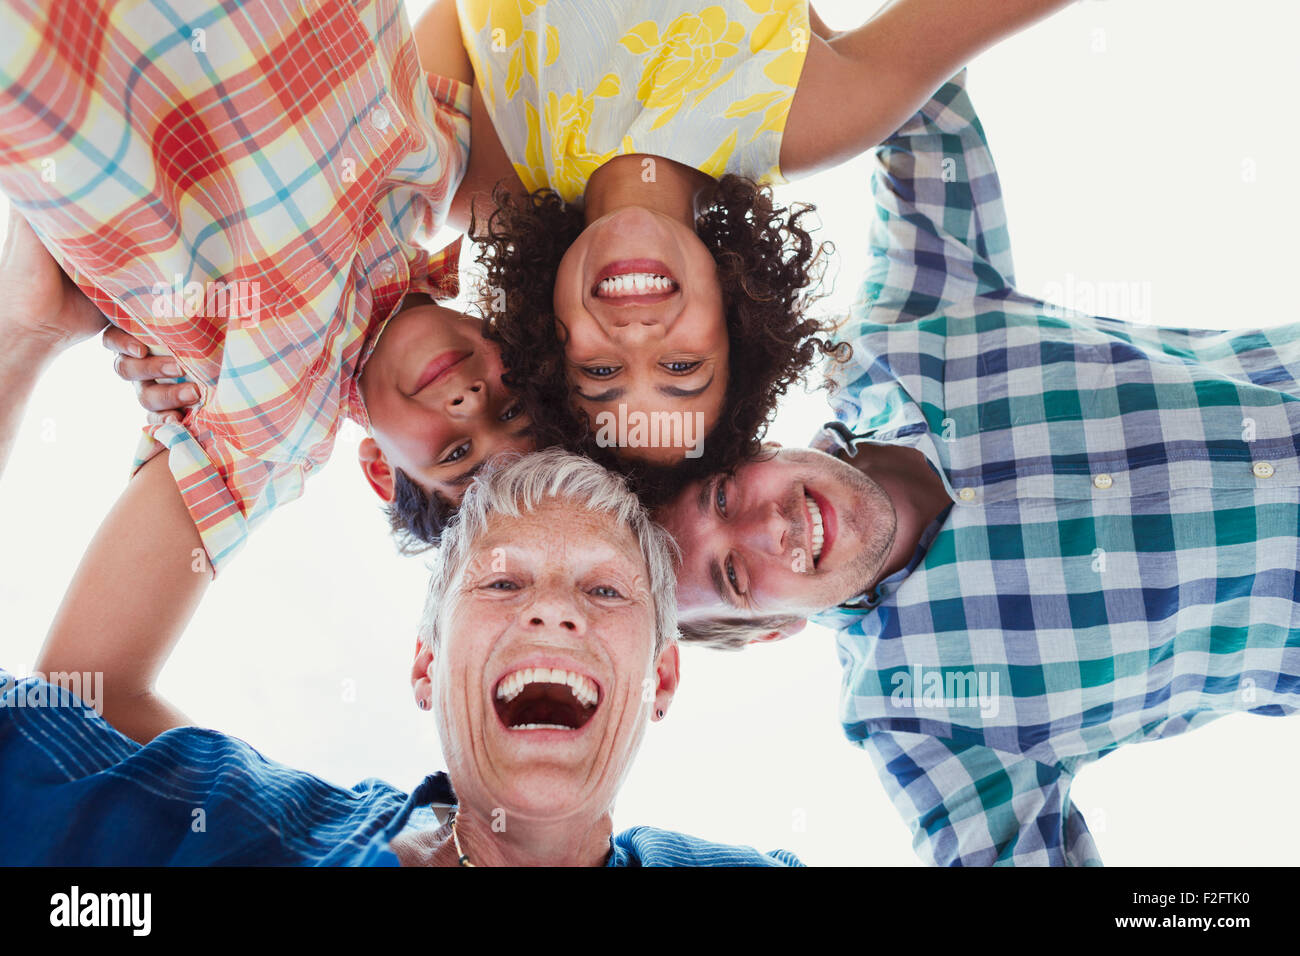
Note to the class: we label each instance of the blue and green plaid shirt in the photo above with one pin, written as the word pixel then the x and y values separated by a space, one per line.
pixel 1120 560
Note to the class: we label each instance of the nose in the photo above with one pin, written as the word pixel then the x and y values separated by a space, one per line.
pixel 767 530
pixel 553 609
pixel 469 400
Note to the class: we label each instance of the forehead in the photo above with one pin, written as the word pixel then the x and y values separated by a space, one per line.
pixel 559 529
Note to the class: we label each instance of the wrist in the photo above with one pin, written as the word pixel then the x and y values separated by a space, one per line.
pixel 30 345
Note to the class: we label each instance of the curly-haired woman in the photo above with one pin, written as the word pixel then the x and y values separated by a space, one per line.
pixel 649 296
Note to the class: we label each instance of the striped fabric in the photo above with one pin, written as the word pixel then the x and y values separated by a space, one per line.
pixel 75 792
pixel 249 187
pixel 1119 563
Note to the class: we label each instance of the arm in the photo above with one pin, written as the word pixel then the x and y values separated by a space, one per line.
pixel 939 236
pixel 971 805
pixel 41 314
pixel 146 545
pixel 135 590
pixel 881 72
pixel 438 40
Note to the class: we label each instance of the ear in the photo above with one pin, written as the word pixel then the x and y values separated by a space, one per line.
pixel 421 684
pixel 668 672
pixel 790 630
pixel 376 468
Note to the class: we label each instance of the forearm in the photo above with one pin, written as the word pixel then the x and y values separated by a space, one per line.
pixel 880 73
pixel 23 358
pixel 922 43
pixel 136 589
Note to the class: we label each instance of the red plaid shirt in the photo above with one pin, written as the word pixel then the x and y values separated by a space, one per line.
pixel 251 188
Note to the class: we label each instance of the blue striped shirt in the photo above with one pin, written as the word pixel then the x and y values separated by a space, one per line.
pixel 1120 559
pixel 75 792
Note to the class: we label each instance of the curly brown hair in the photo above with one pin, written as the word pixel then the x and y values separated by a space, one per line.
pixel 770 271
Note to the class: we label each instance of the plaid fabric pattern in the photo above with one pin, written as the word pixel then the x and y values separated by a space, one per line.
pixel 1119 563
pixel 249 187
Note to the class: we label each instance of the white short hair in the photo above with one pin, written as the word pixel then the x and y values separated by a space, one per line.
pixel 514 486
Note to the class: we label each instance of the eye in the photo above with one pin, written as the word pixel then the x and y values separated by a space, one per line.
pixel 605 591
pixel 681 368
pixel 513 412
pixel 601 371
pixel 501 585
pixel 720 498
pixel 459 452
pixel 731 576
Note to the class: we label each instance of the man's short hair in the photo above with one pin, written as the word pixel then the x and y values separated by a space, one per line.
pixel 514 485
pixel 732 633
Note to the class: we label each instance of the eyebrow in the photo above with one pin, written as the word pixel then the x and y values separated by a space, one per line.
pixel 465 477
pixel 702 502
pixel 670 391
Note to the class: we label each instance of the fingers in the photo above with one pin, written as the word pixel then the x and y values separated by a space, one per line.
pixel 145 369
pixel 157 397
pixel 123 343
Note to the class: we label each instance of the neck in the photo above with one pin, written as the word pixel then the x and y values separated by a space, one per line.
pixel 653 182
pixel 515 842
pixel 917 493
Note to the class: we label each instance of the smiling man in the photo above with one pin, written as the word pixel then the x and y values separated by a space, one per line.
pixel 1040 534
pixel 548 646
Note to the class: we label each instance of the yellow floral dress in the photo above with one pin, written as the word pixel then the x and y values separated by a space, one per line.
pixel 570 84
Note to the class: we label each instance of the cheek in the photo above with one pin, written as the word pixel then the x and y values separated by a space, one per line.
pixel 568 280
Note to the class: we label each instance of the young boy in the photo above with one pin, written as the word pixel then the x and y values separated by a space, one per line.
pixel 252 190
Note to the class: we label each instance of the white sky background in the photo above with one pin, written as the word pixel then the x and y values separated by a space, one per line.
pixel 1126 135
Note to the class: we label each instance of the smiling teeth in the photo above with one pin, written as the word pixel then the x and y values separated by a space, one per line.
pixel 636 283
pixel 540 727
pixel 583 687
pixel 818 532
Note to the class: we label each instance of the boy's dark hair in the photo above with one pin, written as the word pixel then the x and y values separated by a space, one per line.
pixel 769 269
pixel 415 516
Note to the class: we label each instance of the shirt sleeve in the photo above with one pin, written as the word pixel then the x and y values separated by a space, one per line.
pixel 971 805
pixel 940 233
pixel 227 492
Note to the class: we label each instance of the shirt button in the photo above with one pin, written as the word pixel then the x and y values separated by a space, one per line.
pixel 966 494
pixel 388 270
pixel 1263 469
pixel 379 118
pixel 1103 481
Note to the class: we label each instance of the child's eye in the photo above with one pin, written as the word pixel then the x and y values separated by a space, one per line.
pixel 600 371
pixel 682 368
pixel 513 412
pixel 605 591
pixel 459 452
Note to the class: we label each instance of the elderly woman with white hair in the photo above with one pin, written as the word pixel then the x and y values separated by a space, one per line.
pixel 548 645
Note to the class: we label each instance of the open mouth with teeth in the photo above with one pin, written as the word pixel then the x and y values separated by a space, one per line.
pixel 642 286
pixel 816 527
pixel 545 698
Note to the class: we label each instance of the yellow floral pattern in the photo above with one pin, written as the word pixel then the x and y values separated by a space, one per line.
pixel 570 84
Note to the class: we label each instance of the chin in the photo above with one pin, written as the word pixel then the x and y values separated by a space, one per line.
pixel 543 793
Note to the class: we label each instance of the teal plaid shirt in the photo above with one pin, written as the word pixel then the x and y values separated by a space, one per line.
pixel 1119 563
